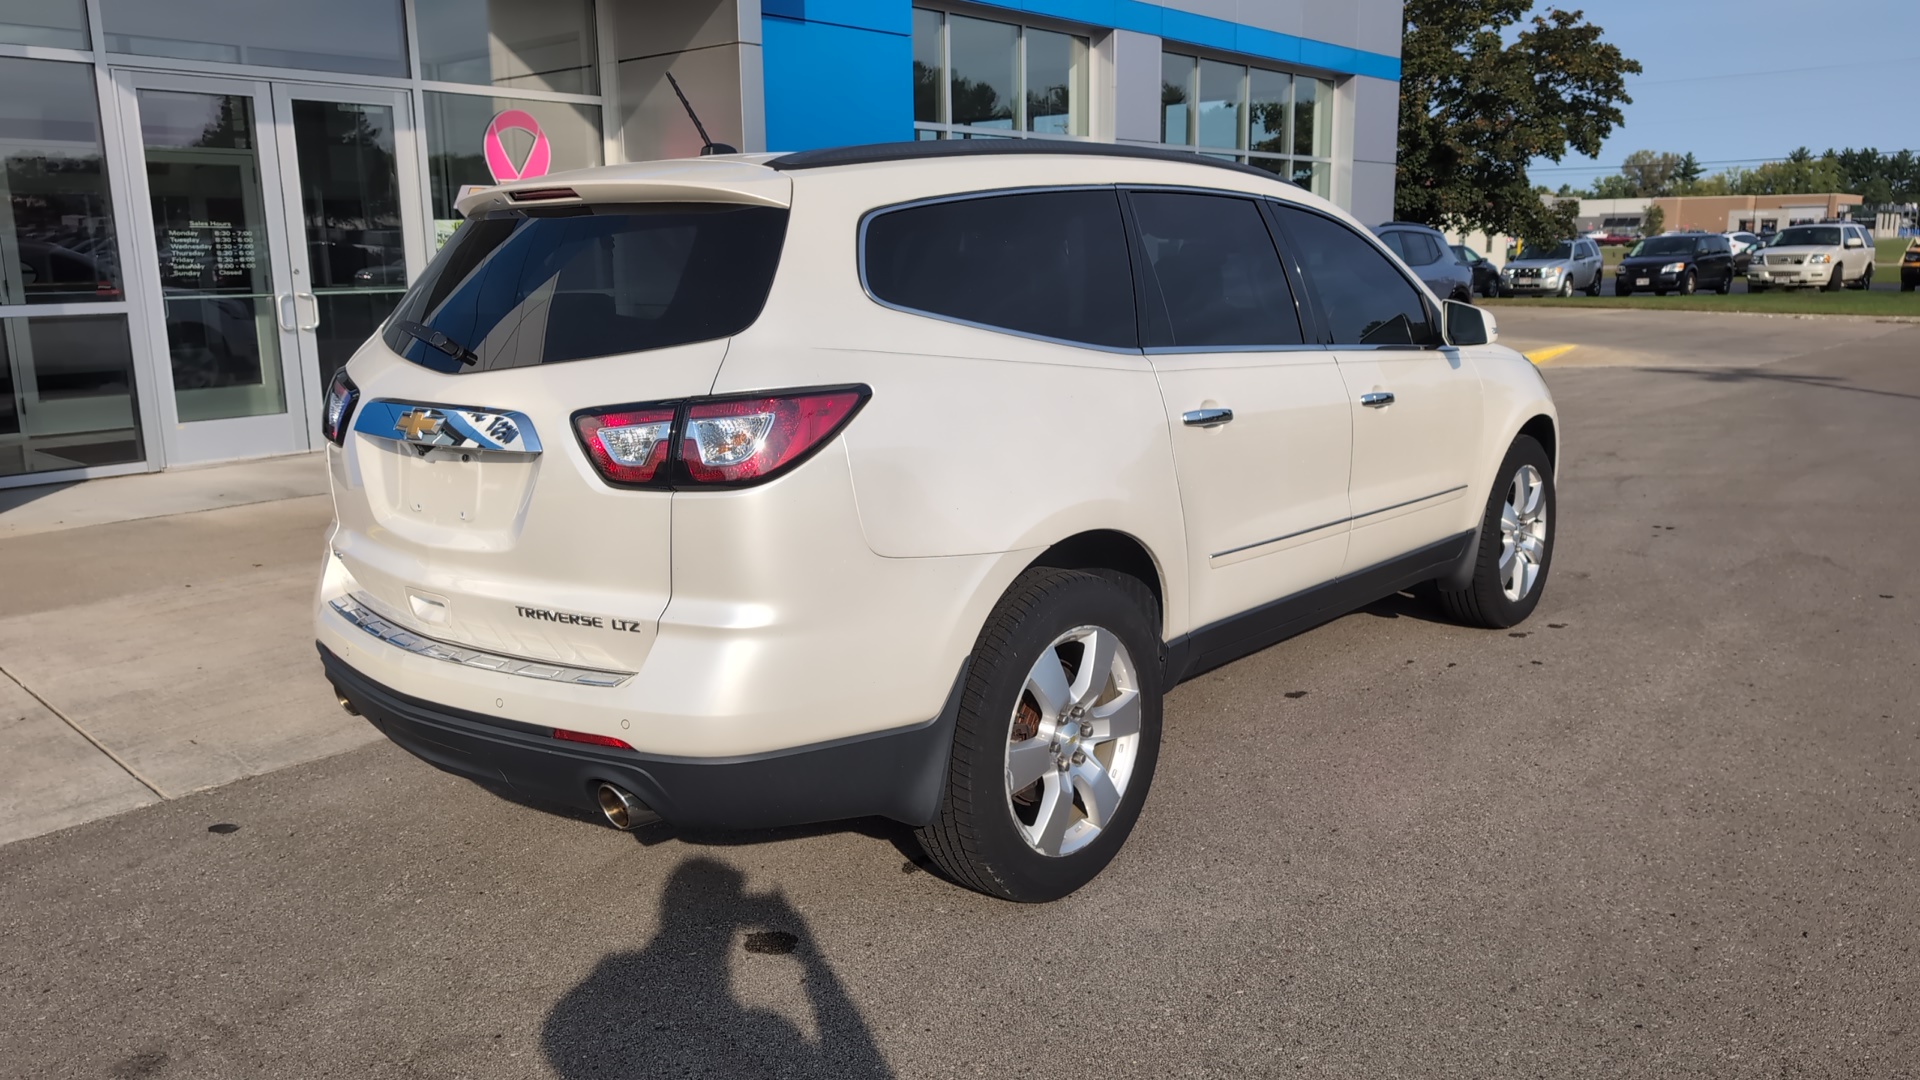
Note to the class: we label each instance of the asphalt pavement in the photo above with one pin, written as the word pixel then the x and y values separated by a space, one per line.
pixel 1666 828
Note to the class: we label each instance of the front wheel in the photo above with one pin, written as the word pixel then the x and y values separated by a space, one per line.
pixel 1566 287
pixel 1057 737
pixel 1516 543
pixel 1838 279
pixel 1688 284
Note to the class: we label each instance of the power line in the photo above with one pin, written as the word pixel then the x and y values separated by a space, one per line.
pixel 1850 66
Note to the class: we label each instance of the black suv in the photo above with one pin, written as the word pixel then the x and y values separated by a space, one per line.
pixel 1680 262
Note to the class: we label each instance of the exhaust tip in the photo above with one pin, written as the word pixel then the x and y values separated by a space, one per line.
pixel 345 704
pixel 623 809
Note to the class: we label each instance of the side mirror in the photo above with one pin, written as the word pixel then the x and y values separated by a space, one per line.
pixel 1854 242
pixel 1468 325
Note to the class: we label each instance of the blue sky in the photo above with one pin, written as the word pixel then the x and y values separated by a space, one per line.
pixel 1717 79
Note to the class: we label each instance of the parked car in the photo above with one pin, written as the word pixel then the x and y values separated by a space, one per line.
pixel 736 533
pixel 1910 266
pixel 1814 256
pixel 1744 244
pixel 1682 264
pixel 1567 267
pixel 1486 277
pixel 1424 249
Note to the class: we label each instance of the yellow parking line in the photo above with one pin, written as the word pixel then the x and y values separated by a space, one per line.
pixel 1542 356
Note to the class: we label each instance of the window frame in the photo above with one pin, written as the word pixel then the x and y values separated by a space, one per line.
pixel 1244 152
pixel 1126 228
pixel 1321 323
pixel 1143 299
pixel 947 129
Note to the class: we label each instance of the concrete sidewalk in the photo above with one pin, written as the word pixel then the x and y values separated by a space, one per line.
pixel 155 639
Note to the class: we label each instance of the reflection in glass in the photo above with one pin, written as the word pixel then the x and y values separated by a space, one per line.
pixel 1269 96
pixel 1280 167
pixel 66 394
pixel 1219 110
pixel 203 171
pixel 1313 117
pixel 457 129
pixel 1176 91
pixel 929 70
pixel 512 44
pixel 1315 176
pixel 58 24
pixel 984 55
pixel 360 36
pixel 56 218
pixel 1056 83
pixel 350 210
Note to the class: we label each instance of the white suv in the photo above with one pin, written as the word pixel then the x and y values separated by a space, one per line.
pixel 1829 256
pixel 899 480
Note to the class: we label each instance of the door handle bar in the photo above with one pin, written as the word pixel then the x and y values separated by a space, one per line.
pixel 311 299
pixel 1378 400
pixel 1206 418
pixel 288 318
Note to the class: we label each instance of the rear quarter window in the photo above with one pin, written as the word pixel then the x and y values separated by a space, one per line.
pixel 1050 264
pixel 519 288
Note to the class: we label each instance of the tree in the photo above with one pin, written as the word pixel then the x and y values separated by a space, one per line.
pixel 1687 174
pixel 1655 222
pixel 1616 186
pixel 1475 108
pixel 1651 174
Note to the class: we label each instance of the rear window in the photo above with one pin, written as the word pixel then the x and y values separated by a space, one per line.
pixel 524 287
pixel 1048 263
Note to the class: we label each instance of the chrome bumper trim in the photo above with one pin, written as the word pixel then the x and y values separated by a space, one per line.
pixel 364 617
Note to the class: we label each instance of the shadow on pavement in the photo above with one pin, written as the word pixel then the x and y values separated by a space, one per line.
pixel 1747 374
pixel 670 1010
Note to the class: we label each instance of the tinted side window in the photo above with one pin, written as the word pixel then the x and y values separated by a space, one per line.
pixel 1051 263
pixel 1366 300
pixel 1424 251
pixel 1396 243
pixel 1214 272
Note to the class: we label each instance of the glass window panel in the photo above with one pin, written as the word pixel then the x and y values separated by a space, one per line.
pixel 456 142
pixel 60 24
pixel 1315 176
pixel 1048 263
pixel 56 217
pixel 350 210
pixel 1270 95
pixel 512 44
pixel 1056 83
pixel 929 69
pixel 1280 167
pixel 1214 271
pixel 360 36
pixel 1218 113
pixel 209 220
pixel 983 55
pixel 1366 300
pixel 67 395
pixel 1176 97
pixel 1313 117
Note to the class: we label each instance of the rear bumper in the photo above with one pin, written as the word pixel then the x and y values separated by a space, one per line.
pixel 896 774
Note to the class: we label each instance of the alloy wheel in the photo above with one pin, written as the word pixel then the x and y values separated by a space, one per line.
pixel 1073 741
pixel 1523 532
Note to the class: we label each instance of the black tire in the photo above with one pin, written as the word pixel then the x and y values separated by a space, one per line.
pixel 1463 294
pixel 1906 286
pixel 974 839
pixel 1688 283
pixel 1838 280
pixel 1865 284
pixel 1594 289
pixel 1726 284
pixel 1484 601
pixel 1566 287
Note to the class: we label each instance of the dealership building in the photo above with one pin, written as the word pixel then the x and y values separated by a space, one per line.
pixel 207 205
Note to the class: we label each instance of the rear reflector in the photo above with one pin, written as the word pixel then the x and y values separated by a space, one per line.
pixel 590 739
pixel 543 194
pixel 714 442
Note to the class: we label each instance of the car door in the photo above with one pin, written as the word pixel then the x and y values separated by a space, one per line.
pixel 1262 433
pixel 1860 257
pixel 1416 404
pixel 1590 256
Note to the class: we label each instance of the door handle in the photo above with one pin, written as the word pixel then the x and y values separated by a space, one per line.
pixel 1206 417
pixel 288 317
pixel 1377 400
pixel 311 299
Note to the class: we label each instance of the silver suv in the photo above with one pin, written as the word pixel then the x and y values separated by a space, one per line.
pixel 1562 269
pixel 1830 256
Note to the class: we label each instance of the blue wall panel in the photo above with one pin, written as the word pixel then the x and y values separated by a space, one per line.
pixel 829 84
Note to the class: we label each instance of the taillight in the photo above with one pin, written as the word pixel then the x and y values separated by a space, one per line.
pixel 714 442
pixel 341 396
pixel 627 446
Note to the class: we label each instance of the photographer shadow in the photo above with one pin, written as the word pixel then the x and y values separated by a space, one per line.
pixel 670 1010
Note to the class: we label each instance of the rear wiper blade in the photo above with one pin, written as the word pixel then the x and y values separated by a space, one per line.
pixel 437 340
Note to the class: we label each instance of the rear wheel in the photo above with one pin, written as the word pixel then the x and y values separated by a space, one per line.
pixel 1866 279
pixel 1057 738
pixel 1594 288
pixel 1726 284
pixel 1516 543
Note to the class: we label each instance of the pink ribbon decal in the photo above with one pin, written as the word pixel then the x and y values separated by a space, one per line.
pixel 500 165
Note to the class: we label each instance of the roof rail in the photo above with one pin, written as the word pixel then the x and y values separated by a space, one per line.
pixel 872 153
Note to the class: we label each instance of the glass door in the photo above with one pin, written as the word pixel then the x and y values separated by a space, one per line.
pixel 353 212
pixel 214 273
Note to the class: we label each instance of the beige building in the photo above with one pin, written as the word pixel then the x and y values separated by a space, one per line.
pixel 1716 213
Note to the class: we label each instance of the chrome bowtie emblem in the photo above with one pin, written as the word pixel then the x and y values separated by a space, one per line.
pixel 419 424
